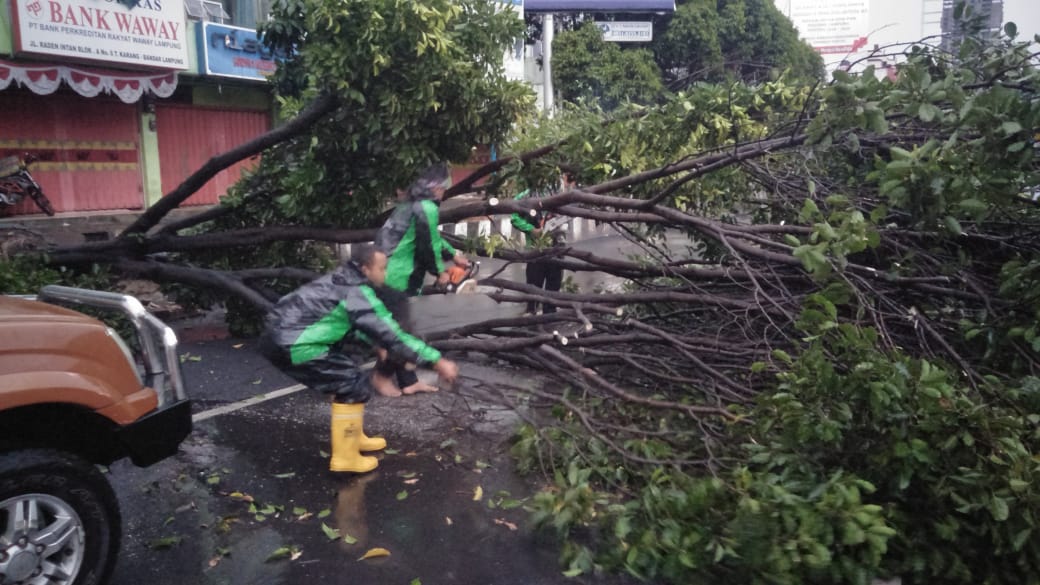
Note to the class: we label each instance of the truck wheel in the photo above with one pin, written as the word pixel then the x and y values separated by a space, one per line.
pixel 59 520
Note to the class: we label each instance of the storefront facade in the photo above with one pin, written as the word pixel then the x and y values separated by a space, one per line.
pixel 120 104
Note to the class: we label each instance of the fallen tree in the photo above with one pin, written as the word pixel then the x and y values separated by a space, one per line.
pixel 837 378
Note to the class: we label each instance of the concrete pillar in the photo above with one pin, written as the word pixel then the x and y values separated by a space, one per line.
pixel 547 39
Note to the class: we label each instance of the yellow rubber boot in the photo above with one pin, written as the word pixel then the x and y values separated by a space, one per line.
pixel 346 439
pixel 370 443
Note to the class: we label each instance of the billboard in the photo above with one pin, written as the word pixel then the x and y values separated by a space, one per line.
pixel 599 5
pixel 129 32
pixel 830 26
pixel 627 32
pixel 231 51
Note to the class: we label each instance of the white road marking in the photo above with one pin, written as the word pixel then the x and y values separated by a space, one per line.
pixel 258 399
pixel 252 400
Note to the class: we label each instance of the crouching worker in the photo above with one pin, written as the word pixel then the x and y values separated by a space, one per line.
pixel 310 331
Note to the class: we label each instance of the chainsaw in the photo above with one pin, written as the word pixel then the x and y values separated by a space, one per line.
pixel 462 279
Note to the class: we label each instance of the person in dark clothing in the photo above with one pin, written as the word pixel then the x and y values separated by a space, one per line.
pixel 415 248
pixel 541 273
pixel 309 335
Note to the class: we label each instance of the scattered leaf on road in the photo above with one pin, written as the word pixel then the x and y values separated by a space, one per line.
pixel 415 581
pixel 330 533
pixel 411 454
pixel 295 554
pixel 164 543
pixel 375 552
pixel 241 496
pixel 478 493
pixel 298 511
pixel 447 520
pixel 285 475
pixel 279 554
pixel 403 494
pixel 412 481
pixel 391 451
pixel 508 525
pixel 237 346
pixel 349 539
pixel 324 454
pixel 257 381
pixel 406 474
pixel 324 513
pixel 213 479
pixel 482 465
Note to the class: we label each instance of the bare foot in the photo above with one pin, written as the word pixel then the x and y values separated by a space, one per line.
pixel 419 387
pixel 384 386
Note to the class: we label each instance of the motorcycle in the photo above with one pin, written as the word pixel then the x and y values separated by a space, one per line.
pixel 16 182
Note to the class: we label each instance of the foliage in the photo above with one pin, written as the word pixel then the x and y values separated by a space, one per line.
pixel 417 82
pixel 26 275
pixel 893 431
pixel 703 41
pixel 711 40
pixel 859 463
pixel 587 67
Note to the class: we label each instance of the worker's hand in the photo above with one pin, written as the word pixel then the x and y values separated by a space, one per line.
pixel 382 354
pixel 536 232
pixel 447 370
pixel 442 279
pixel 460 259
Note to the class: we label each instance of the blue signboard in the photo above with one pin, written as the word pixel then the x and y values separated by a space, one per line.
pixel 599 5
pixel 231 51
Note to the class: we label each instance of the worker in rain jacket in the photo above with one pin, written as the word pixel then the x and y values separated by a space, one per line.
pixel 415 248
pixel 309 332
pixel 541 273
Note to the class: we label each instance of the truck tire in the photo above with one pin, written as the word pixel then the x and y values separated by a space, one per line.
pixel 58 508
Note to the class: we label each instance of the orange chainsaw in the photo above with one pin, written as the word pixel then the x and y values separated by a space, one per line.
pixel 462 279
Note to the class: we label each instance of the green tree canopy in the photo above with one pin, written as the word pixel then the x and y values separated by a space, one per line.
pixel 703 41
pixel 587 67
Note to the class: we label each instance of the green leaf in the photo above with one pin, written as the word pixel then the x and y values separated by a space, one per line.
pixel 164 543
pixel 330 533
pixel 285 475
pixel 402 495
pixel 998 507
pixel 928 112
pixel 278 554
pixel 349 539
pixel 324 513
pixel 1011 127
pixel 953 226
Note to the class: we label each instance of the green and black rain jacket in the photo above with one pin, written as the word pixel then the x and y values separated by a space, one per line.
pixel 341 307
pixel 411 241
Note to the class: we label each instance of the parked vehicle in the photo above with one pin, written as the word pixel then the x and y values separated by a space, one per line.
pixel 17 183
pixel 74 396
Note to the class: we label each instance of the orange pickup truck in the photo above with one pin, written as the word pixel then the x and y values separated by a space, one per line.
pixel 74 396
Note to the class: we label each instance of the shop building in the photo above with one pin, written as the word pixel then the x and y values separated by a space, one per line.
pixel 120 100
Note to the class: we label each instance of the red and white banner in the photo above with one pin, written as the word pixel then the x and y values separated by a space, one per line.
pixel 128 86
pixel 147 33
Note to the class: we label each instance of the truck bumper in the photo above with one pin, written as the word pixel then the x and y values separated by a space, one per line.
pixel 156 436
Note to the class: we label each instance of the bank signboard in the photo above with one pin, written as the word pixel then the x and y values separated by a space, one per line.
pixel 147 33
pixel 231 51
pixel 627 32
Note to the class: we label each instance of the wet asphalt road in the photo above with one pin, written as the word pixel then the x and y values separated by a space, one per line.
pixel 444 501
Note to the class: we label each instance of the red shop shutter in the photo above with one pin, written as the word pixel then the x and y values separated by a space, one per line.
pixel 88 149
pixel 190 136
